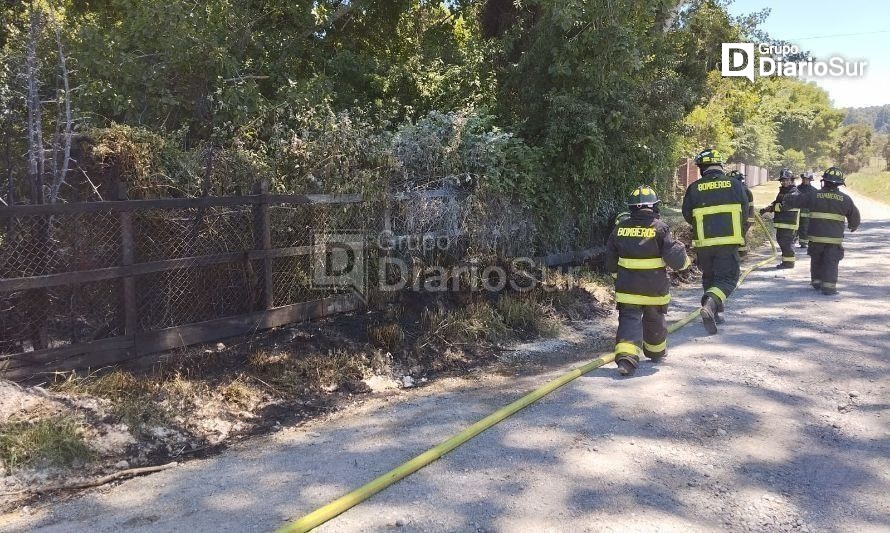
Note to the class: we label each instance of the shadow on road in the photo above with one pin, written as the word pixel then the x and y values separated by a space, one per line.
pixel 729 431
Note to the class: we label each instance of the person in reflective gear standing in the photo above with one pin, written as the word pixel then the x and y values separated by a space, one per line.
pixel 829 209
pixel 715 206
pixel 806 186
pixel 639 250
pixel 749 216
pixel 784 219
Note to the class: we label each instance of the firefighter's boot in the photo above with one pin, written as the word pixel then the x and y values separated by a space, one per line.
pixel 627 364
pixel 829 289
pixel 719 319
pixel 709 314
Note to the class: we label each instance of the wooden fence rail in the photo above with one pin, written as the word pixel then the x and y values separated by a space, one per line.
pixel 267 276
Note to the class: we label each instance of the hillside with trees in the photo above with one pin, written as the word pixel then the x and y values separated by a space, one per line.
pixel 877 117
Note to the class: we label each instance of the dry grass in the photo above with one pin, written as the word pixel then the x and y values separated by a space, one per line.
pixel 298 375
pixel 238 393
pixel 267 361
pixel 132 398
pixel 526 313
pixel 477 322
pixel 52 441
pixel 111 386
pixel 388 336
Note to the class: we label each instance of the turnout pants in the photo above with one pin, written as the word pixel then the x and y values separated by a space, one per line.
pixel 743 249
pixel 824 259
pixel 785 239
pixel 641 327
pixel 803 235
pixel 719 274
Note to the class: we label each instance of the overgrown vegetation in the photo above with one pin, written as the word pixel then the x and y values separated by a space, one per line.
pixel 332 96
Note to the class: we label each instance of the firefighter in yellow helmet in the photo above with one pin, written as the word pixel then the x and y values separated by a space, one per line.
pixel 716 206
pixel 639 250
pixel 785 220
pixel 829 210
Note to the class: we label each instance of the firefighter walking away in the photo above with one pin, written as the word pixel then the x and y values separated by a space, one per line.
pixel 829 209
pixel 715 206
pixel 638 251
pixel 806 186
pixel 784 219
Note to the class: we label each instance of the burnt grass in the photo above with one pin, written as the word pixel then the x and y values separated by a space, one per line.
pixel 346 339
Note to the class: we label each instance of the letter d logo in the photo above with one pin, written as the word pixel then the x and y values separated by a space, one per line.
pixel 737 60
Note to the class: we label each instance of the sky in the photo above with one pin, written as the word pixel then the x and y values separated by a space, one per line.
pixel 853 29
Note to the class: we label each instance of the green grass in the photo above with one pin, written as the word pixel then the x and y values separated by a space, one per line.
pixel 132 399
pixel 765 194
pixel 872 181
pixel 53 441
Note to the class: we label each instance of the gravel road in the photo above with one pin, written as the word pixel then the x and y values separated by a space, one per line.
pixel 779 423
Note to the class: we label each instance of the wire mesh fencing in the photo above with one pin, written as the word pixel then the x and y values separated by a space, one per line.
pixel 77 279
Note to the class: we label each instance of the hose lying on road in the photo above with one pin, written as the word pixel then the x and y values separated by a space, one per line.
pixel 325 513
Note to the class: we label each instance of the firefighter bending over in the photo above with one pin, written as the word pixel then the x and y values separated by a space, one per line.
pixel 829 210
pixel 638 250
pixel 715 206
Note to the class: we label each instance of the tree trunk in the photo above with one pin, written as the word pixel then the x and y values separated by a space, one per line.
pixel 36 156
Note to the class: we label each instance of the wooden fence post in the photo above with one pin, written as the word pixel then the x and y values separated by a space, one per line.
pixel 262 227
pixel 131 317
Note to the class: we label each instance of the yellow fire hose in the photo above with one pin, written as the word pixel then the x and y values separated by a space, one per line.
pixel 342 504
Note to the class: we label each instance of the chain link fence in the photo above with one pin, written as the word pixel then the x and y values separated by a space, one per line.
pixel 76 279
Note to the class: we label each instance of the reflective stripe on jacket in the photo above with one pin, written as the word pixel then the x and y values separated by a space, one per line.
pixel 714 206
pixel 785 218
pixel 639 249
pixel 829 209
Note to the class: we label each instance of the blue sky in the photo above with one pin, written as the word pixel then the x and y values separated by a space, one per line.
pixel 826 28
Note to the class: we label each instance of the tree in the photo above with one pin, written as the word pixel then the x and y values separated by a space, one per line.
pixel 603 87
pixel 794 160
pixel 805 117
pixel 853 147
pixel 886 152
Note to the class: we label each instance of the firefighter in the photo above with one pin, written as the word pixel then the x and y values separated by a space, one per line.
pixel 749 217
pixel 785 220
pixel 638 250
pixel 806 186
pixel 829 209
pixel 715 206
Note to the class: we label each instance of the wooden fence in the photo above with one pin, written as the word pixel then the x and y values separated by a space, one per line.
pixel 91 284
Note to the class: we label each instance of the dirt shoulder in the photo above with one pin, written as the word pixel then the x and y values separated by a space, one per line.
pixel 75 429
